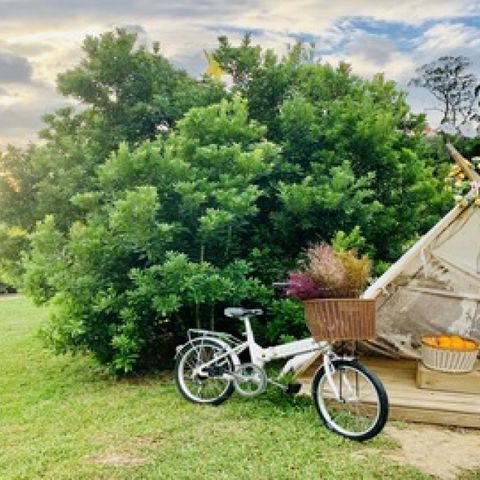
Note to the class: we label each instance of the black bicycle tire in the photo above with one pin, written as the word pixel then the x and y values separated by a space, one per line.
pixel 225 395
pixel 381 392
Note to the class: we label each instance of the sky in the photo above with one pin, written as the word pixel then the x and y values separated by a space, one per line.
pixel 39 39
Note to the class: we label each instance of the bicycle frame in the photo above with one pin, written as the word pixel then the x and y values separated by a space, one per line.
pixel 208 369
pixel 300 350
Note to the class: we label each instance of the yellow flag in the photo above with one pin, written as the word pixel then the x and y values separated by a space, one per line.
pixel 214 70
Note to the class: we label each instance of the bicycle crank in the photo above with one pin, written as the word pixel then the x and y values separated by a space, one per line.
pixel 249 380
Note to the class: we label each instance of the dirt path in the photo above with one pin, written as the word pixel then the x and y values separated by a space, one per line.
pixel 442 452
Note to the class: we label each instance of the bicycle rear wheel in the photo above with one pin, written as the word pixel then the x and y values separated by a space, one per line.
pixel 210 388
pixel 361 409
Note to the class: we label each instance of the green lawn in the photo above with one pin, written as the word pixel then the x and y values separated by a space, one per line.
pixel 62 417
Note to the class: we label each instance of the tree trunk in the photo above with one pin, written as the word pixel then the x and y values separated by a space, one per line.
pixel 197 316
pixel 212 316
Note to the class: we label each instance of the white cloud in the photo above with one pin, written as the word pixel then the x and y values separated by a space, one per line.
pixel 21 109
pixel 50 35
pixel 311 16
pixel 447 37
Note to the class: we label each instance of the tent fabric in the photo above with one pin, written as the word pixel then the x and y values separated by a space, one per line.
pixel 434 288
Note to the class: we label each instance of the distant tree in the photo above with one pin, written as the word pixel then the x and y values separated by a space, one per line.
pixel 448 80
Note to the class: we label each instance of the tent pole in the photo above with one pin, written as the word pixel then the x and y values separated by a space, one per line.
pixel 463 163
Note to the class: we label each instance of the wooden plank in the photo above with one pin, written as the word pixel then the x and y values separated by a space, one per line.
pixel 409 403
pixel 409 391
pixel 433 404
pixel 462 382
pixel 388 363
pixel 436 417
pixel 381 366
pixel 374 363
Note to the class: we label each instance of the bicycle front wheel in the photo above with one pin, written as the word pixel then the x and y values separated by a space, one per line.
pixel 354 404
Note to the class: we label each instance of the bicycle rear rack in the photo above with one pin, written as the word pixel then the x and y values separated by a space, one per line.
pixel 194 333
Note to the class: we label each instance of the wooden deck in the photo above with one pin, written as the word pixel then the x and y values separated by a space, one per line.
pixel 412 404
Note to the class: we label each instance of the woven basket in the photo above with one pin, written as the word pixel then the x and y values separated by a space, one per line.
pixel 340 318
pixel 449 360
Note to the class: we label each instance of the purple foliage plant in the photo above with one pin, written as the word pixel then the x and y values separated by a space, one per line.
pixel 301 286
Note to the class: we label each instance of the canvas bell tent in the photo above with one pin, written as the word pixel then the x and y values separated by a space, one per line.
pixel 435 286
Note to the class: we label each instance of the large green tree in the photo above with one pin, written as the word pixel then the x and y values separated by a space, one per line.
pixel 129 94
pixel 161 242
pixel 355 152
pixel 143 234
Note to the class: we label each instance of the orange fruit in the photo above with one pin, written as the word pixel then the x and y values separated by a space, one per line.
pixel 430 341
pixel 444 341
pixel 469 345
pixel 457 343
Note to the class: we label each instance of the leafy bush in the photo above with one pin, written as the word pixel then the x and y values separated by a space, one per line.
pixel 150 235
pixel 287 322
pixel 13 239
pixel 150 261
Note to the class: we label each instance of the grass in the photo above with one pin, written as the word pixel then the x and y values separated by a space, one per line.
pixel 62 417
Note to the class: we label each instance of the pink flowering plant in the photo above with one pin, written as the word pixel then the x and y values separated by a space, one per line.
pixel 327 273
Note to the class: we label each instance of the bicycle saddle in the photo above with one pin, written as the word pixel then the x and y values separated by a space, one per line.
pixel 238 312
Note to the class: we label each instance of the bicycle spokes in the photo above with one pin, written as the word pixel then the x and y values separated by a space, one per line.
pixel 349 400
pixel 204 385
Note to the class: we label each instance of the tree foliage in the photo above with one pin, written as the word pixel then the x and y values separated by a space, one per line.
pixel 160 244
pixel 141 236
pixel 135 90
pixel 129 94
pixel 354 151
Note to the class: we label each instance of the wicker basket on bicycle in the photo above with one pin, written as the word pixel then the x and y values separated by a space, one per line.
pixel 340 318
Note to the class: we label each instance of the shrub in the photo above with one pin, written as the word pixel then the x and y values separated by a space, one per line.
pixel 150 261
pixel 157 237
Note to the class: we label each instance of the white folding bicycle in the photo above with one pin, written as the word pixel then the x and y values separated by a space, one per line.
pixel 349 398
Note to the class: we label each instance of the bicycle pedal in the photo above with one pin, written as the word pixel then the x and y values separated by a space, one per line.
pixel 293 388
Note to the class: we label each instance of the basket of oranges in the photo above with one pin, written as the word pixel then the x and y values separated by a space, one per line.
pixel 449 353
